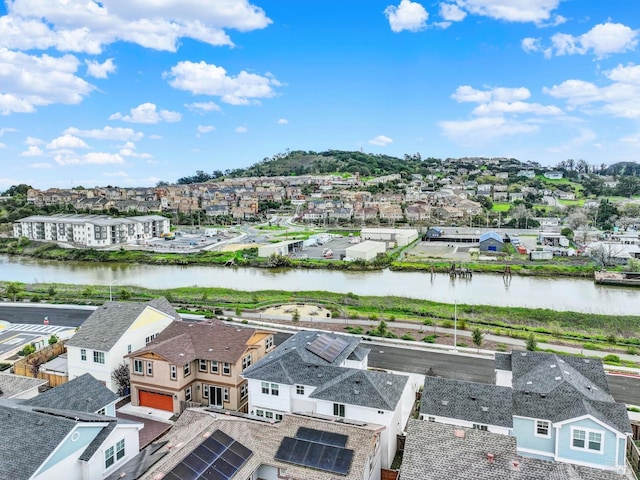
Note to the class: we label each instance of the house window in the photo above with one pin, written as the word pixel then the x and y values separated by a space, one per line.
pixel 542 428
pixel 83 355
pixel 128 349
pixel 278 417
pixel 109 458
pixel 244 390
pixel 226 368
pixel 338 409
pixel 202 365
pixel 586 440
pixel 226 394
pixel 173 372
pixel 300 389
pixel 246 361
pixel 150 369
pixel 102 411
pixel 187 369
pixel 268 414
pixel 579 438
pixel 98 357
pixel 274 389
pixel 595 441
pixel 214 367
pixel 205 391
pixel 260 413
pixel 120 449
pixel 431 419
pixel 187 394
pixel 265 388
pixel 137 367
pixel 150 338
pixel 479 426
pixel 268 343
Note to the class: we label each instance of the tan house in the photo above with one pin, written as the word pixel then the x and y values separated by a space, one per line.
pixel 198 363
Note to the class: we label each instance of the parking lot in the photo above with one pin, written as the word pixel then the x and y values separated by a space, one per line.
pixel 336 245
pixel 185 241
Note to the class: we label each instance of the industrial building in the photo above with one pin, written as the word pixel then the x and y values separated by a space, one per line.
pixel 401 236
pixel 367 250
pixel 281 248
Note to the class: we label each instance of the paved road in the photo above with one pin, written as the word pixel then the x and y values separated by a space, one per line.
pixel 624 389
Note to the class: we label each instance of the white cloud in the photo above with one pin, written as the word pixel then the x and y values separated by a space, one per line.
pixel 107 133
pixel 481 130
pixel 66 141
pixel 493 108
pixel 282 121
pixel 381 141
pixel 466 93
pixel 3 145
pixel 241 129
pixel 29 81
pixel 147 113
pixel 92 158
pixel 206 128
pixel 621 98
pixel 119 173
pixel 153 136
pixel 100 70
pixel 129 150
pixel 33 141
pixel 85 26
pixel 452 12
pixel 536 11
pixel 530 44
pixel 7 130
pixel 41 165
pixel 207 79
pixel 409 15
pixel 32 151
pixel 203 107
pixel 602 40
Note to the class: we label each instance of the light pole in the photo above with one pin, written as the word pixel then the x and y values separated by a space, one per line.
pixel 455 325
pixel 110 291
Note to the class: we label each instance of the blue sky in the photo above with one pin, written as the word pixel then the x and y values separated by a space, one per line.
pixel 130 93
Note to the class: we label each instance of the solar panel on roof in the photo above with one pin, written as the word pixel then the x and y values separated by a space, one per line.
pixel 327 347
pixel 311 449
pixel 218 457
pixel 320 436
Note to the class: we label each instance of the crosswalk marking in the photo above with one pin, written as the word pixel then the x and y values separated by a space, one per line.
pixel 26 327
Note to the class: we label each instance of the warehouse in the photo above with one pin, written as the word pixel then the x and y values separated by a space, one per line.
pixel 367 250
pixel 402 236
pixel 281 248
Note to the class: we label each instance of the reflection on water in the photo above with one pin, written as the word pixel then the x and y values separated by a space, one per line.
pixel 560 294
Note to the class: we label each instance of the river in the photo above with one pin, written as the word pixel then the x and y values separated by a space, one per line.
pixel 574 294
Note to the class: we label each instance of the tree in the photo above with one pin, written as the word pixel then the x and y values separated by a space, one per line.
pixel 15 190
pixel 13 289
pixel 477 337
pixel 121 377
pixel 125 294
pixel 295 317
pixel 34 365
pixel 53 339
pixel 577 220
pixel 532 344
pixel 628 186
pixel 606 253
pixel 607 214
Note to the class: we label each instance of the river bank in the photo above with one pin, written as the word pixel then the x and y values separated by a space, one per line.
pixel 589 330
pixel 249 258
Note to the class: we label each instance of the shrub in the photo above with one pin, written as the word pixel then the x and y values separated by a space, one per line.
pixel 531 343
pixel 430 339
pixel 354 330
pixel 408 336
pixel 589 346
pixel 53 339
pixel 611 359
pixel 462 324
pixel 611 338
pixel 35 299
pixel 427 321
pixel 295 317
pixel 392 318
pixel 462 344
pixel 373 316
pixel 632 351
pixel 52 291
pixel 27 350
pixel 447 324
pixel 501 347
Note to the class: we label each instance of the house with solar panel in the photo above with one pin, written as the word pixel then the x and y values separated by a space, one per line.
pixel 209 444
pixel 558 407
pixel 41 443
pixel 112 331
pixel 325 375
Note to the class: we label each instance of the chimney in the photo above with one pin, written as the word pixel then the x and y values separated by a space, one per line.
pixel 490 457
pixel 458 433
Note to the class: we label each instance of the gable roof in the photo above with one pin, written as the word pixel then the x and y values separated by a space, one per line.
pixel 29 435
pixel 84 394
pixel 104 327
pixel 183 342
pixel 491 235
pixel 13 385
pixel 434 451
pixel 473 402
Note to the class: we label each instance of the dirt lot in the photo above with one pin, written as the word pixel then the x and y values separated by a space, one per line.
pixel 440 250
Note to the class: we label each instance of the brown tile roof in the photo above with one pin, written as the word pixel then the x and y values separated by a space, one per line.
pixel 183 342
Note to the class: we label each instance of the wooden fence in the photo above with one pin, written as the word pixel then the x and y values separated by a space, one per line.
pixel 25 365
pixel 633 455
pixel 386 474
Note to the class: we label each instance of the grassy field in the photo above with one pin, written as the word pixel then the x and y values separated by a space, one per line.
pixel 501 207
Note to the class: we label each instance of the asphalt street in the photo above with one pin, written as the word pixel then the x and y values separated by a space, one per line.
pixel 444 364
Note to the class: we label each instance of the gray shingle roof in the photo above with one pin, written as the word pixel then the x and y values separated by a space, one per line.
pixel 84 394
pixel 473 402
pixel 359 353
pixel 433 452
pixel 12 385
pixel 503 361
pixel 30 434
pixel 104 327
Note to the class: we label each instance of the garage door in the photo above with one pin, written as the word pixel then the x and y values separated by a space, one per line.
pixel 155 400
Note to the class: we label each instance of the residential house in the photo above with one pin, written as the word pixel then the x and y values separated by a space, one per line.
pixel 19 387
pixel 82 394
pixel 553 175
pixel 41 443
pixel 244 447
pixel 418 212
pixel 435 451
pixel 391 212
pixel 448 213
pixel 316 373
pixel 563 411
pixel 112 331
pixel 196 362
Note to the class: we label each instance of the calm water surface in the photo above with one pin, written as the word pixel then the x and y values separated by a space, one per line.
pixel 580 295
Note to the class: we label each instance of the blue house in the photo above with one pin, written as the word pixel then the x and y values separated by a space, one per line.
pixel 563 411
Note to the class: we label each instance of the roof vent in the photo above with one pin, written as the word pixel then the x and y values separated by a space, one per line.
pixel 558 378
pixel 389 382
pixel 182 354
pixel 490 457
pixel 529 382
pixel 561 360
pixel 444 402
pixel 472 398
pixel 320 375
pixel 40 422
pixel 553 365
pixel 485 409
pixel 356 391
pixel 586 360
pixel 458 433
pixel 526 392
pixel 524 354
pixel 543 395
pixel 211 349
